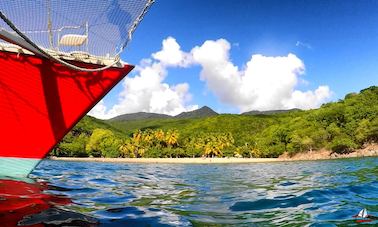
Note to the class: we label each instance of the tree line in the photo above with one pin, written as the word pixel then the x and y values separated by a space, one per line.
pixel 340 126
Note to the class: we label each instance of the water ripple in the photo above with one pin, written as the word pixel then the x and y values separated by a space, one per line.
pixel 322 193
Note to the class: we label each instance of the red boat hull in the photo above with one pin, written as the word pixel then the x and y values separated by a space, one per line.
pixel 20 199
pixel 40 101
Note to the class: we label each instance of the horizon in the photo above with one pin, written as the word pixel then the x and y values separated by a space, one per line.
pixel 271 55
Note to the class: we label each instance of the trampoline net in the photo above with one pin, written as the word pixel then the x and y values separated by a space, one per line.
pixel 98 27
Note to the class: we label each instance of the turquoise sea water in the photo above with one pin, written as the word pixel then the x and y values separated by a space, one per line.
pixel 311 193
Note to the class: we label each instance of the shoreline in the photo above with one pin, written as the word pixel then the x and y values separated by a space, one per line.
pixel 369 151
pixel 170 160
pixel 194 160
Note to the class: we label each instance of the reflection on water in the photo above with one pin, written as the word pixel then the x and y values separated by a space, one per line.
pixel 296 193
pixel 24 203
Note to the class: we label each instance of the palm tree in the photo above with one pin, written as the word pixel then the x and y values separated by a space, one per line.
pixel 212 149
pixel 171 138
pixel 128 149
pixel 137 136
pixel 133 147
pixel 159 135
pixel 147 138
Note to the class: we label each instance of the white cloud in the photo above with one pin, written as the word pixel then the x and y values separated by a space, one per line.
pixel 308 99
pixel 147 91
pixel 266 83
pixel 302 44
pixel 99 110
pixel 171 54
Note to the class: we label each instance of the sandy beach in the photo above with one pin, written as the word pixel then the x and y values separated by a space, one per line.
pixel 171 160
pixel 368 151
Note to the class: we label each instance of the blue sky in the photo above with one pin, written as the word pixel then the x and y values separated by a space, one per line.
pixel 333 44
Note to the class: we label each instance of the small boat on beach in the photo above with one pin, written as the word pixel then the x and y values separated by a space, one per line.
pixel 58 59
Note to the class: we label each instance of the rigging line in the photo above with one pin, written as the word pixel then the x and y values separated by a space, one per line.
pixel 49 24
pixel 136 22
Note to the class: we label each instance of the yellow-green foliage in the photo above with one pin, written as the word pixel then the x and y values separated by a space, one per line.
pixel 341 126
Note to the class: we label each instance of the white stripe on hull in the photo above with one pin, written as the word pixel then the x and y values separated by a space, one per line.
pixel 17 167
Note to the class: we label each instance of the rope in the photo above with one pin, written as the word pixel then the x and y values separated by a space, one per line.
pixel 72 66
pixel 136 23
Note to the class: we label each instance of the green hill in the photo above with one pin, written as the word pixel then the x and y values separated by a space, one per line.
pixel 269 112
pixel 341 126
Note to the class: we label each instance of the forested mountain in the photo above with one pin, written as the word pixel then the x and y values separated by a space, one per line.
pixel 139 116
pixel 199 113
pixel 339 126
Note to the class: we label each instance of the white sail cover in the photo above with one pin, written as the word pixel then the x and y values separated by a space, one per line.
pixel 98 27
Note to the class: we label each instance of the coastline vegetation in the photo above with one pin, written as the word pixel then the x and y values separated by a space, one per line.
pixel 339 126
